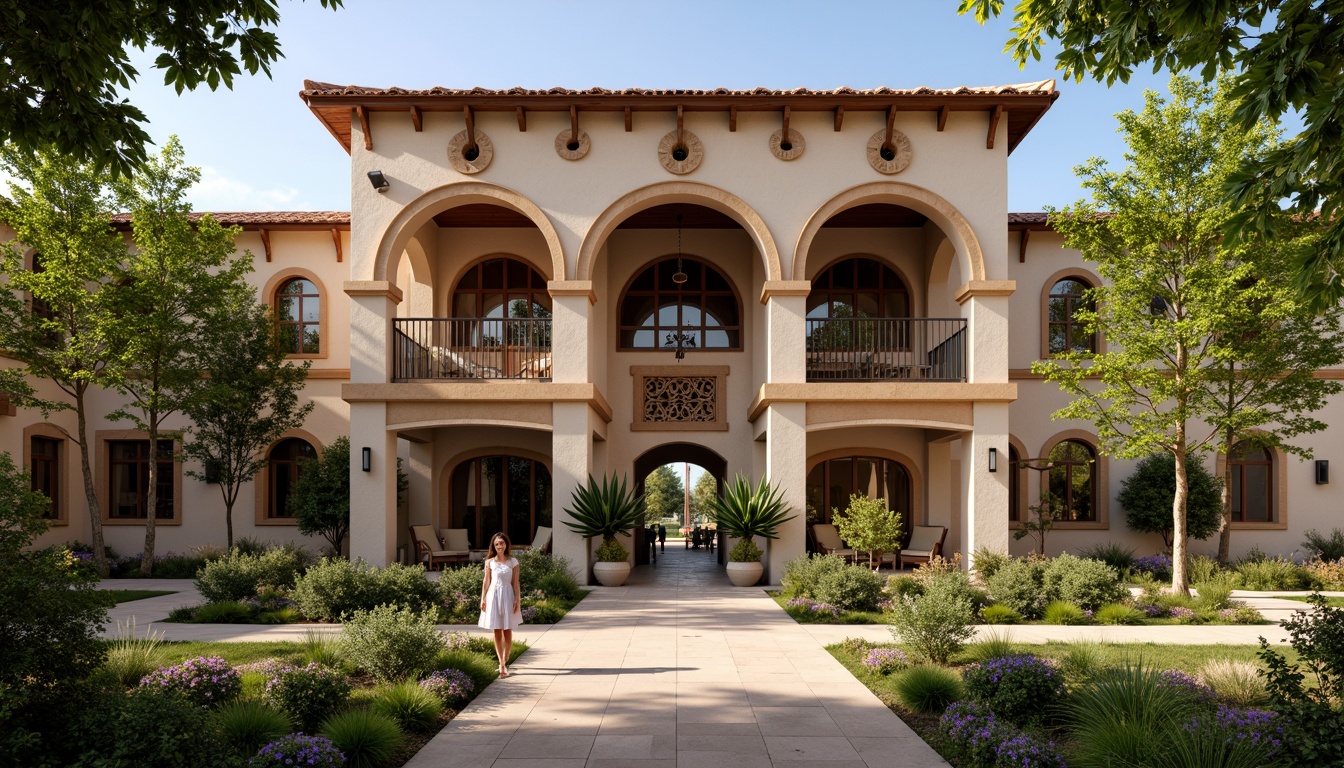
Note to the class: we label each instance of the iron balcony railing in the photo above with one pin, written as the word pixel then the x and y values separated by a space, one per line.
pixel 886 349
pixel 471 348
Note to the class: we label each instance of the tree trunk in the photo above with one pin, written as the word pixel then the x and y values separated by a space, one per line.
pixel 1180 584
pixel 151 498
pixel 1225 529
pixel 90 491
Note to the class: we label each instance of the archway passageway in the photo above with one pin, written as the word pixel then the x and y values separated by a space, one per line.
pixel 676 479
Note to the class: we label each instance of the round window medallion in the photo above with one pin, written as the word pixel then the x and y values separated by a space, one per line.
pixel 570 149
pixel 681 158
pixel 795 147
pixel 892 159
pixel 469 160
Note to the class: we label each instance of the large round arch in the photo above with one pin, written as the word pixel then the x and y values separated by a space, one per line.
pixel 939 210
pixel 672 453
pixel 420 210
pixel 688 192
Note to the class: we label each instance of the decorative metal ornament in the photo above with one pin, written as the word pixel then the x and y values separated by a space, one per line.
pixel 679 277
pixel 467 159
pixel 889 158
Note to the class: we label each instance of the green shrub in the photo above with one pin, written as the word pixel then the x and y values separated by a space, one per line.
pixel 958 583
pixel 335 587
pixel 1147 494
pixel 322 648
pixel 1089 584
pixel 1119 557
pixel 247 726
pixel 1272 574
pixel 1314 722
pixel 481 668
pixel 550 574
pixel 850 588
pixel 237 576
pixel 1213 595
pixel 145 729
pixel 802 574
pixel 410 705
pixel 391 643
pixel 1118 614
pixel 1124 717
pixel 999 614
pixel 1082 661
pixel 130 658
pixel 367 739
pixel 1238 683
pixel 903 586
pixel 279 616
pixel 991 646
pixel 928 689
pixel 935 625
pixel 308 694
pixel 543 612
pixel 223 613
pixel 1328 548
pixel 1203 568
pixel 988 562
pixel 1018 688
pixel 1017 585
pixel 1064 612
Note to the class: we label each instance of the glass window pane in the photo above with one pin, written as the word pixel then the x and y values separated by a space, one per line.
pixel 897 482
pixel 492 278
pixel 842 276
pixel 464 305
pixel 312 340
pixel 665 271
pixel 492 305
pixel 520 499
pixel 816 494
pixel 644 282
pixel 694 276
pixel 312 308
pixel 714 281
pixel 464 514
pixel 870 272
pixel 492 495
pixel 1257 493
pixel 720 339
pixel 288 338
pixel 867 480
pixel 517 276
pixel 287 309
pixel 842 484
pixel 543 495
pixel 638 310
pixel 471 279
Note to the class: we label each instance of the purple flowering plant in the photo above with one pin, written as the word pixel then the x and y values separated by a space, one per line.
pixel 453 686
pixel 204 680
pixel 809 606
pixel 1026 751
pixel 1016 688
pixel 884 661
pixel 1157 565
pixel 1187 685
pixel 1254 730
pixel 973 732
pixel 298 750
pixel 1183 614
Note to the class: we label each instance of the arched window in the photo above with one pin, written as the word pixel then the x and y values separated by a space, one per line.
pixel 1065 332
pixel 858 287
pixel 284 464
pixel 1015 471
pixel 1252 484
pixel 45 471
pixel 832 482
pixel 298 312
pixel 703 311
pixel 1072 480
pixel 501 288
pixel 501 493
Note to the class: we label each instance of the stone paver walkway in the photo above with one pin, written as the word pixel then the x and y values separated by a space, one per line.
pixel 677 669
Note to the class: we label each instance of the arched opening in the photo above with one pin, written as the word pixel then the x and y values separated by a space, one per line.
pixel 676 480
pixel 500 492
pixel 831 483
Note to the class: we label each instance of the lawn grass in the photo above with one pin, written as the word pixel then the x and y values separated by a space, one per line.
pixel 1337 602
pixel 288 651
pixel 128 595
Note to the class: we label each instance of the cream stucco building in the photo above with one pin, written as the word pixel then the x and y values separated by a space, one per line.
pixel 820 287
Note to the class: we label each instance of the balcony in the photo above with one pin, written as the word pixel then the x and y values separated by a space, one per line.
pixel 886 349
pixel 455 348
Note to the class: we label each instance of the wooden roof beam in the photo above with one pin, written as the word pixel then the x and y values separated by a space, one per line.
pixel 1022 246
pixel 839 118
pixel 471 126
pixel 522 120
pixel 363 115
pixel 336 238
pixel 417 119
pixel 629 122
pixel 993 125
pixel 785 134
pixel 266 242
pixel 942 117
pixel 732 119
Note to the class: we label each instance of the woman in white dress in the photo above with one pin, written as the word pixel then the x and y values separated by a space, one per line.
pixel 500 609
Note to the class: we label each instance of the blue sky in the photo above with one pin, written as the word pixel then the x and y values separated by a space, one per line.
pixel 260 148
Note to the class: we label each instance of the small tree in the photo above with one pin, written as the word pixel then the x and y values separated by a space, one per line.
pixel 1146 496
pixel 1050 509
pixel 868 525
pixel 320 501
pixel 664 494
pixel 250 397
pixel 706 488
pixel 56 320
pixel 175 277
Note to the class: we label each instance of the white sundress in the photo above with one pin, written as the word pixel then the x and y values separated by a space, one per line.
pixel 498 613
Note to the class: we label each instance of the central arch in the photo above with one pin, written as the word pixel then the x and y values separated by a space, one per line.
pixel 423 208
pixel 940 211
pixel 672 453
pixel 689 192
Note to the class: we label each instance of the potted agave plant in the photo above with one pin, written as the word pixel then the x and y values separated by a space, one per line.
pixel 745 513
pixel 606 508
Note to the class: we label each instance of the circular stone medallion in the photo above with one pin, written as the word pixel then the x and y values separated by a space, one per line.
pixel 581 147
pixel 485 152
pixel 690 143
pixel 796 145
pixel 898 161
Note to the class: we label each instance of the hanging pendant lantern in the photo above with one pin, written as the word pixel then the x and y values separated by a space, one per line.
pixel 679 277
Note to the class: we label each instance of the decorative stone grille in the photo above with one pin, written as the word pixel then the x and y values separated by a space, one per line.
pixel 679 398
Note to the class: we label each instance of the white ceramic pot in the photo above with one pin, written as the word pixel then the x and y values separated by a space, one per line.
pixel 745 574
pixel 611 574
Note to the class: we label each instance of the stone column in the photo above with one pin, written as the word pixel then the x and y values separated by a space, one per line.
pixel 373 494
pixel 984 304
pixel 786 466
pixel 573 300
pixel 373 304
pixel 786 330
pixel 985 512
pixel 571 463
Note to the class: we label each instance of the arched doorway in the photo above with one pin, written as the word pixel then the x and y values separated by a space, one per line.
pixel 676 456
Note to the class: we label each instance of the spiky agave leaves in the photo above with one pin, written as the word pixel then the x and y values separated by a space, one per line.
pixel 605 508
pixel 746 512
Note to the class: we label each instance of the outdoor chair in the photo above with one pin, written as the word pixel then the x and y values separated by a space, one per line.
pixel 428 549
pixel 828 542
pixel 926 543
pixel 445 363
pixel 541 541
pixel 455 543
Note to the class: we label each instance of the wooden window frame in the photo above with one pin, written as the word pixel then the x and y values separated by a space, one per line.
pixel 262 482
pixel 1098 341
pixel 538 294
pixel 103 479
pixel 63 474
pixel 882 291
pixel 1278 479
pixel 703 293
pixel 271 293
pixel 1101 471
pixel 473 462
pixel 917 515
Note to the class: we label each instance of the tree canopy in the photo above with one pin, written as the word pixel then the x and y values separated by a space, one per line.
pixel 320 501
pixel 1147 495
pixel 67 61
pixel 1285 55
pixel 664 494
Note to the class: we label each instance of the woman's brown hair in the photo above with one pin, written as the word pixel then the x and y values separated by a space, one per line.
pixel 508 545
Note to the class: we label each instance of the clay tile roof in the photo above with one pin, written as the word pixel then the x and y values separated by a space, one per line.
pixel 1022 103
pixel 1027 218
pixel 266 219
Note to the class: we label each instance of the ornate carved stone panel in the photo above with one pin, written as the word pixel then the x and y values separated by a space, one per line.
pixel 679 398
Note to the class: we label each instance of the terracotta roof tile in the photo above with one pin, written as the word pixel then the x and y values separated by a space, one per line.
pixel 263 218
pixel 314 88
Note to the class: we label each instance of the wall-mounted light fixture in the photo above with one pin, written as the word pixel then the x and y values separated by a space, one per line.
pixel 366 459
pixel 379 181
pixel 1322 472
pixel 993 459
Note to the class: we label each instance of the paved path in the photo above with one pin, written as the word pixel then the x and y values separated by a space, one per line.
pixel 677 670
